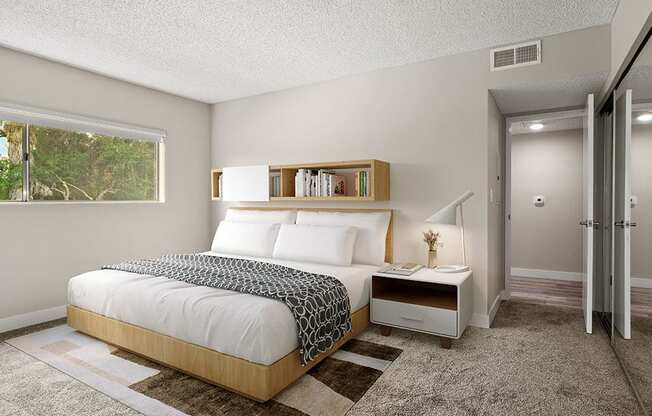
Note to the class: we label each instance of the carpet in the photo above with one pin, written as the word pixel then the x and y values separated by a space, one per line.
pixel 637 358
pixel 535 360
pixel 330 388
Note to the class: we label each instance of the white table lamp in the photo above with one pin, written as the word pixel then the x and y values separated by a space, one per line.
pixel 448 215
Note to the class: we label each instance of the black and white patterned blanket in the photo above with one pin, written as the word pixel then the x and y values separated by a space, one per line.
pixel 319 303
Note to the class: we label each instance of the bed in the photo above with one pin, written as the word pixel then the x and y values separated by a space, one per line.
pixel 244 343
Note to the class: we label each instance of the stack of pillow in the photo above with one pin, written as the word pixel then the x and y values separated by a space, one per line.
pixel 337 238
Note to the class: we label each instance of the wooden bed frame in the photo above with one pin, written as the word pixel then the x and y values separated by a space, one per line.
pixel 256 381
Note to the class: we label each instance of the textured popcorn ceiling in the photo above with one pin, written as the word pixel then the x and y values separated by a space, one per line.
pixel 546 95
pixel 219 50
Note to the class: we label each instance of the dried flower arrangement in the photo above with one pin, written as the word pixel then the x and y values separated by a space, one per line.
pixel 432 239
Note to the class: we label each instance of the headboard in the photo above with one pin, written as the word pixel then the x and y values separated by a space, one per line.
pixel 389 248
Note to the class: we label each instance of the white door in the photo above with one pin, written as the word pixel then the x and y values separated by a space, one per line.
pixel 587 216
pixel 622 214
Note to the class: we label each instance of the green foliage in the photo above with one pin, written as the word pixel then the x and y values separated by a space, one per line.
pixel 11 179
pixel 67 165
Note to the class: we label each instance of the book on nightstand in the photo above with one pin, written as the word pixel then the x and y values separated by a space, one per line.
pixel 401 269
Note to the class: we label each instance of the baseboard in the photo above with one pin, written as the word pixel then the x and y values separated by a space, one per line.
pixel 546 274
pixel 495 306
pixel 481 320
pixel 32 318
pixel 642 282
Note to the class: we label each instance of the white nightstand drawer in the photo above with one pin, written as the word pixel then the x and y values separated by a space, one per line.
pixel 422 318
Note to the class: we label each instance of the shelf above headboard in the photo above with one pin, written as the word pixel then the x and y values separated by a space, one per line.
pixel 373 187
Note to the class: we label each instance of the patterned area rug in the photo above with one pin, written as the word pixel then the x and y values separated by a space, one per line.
pixel 330 388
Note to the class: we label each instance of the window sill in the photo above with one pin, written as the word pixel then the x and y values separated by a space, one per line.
pixel 32 203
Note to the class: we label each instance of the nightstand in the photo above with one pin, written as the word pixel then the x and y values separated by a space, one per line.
pixel 427 301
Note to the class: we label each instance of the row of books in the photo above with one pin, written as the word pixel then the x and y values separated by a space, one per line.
pixel 361 183
pixel 311 182
pixel 275 185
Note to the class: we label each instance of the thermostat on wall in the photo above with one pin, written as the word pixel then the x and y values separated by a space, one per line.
pixel 539 201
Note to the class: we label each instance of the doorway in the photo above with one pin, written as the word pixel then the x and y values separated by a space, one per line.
pixel 549 221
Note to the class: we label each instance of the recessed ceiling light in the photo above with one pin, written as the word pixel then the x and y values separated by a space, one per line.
pixel 536 126
pixel 645 117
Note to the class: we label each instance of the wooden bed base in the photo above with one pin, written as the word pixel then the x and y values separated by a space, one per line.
pixel 256 381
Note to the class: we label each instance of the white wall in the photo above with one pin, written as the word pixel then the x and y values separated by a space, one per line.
pixel 548 237
pixel 43 245
pixel 495 201
pixel 630 23
pixel 433 121
pixel 430 130
pixel 642 213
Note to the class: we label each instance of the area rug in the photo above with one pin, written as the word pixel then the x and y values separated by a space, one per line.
pixel 330 388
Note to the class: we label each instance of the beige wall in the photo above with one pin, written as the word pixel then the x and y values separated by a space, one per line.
pixel 642 213
pixel 433 121
pixel 495 201
pixel 631 21
pixel 43 245
pixel 548 237
pixel 432 131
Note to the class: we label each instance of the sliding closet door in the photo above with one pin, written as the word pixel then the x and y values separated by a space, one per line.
pixel 622 214
pixel 587 215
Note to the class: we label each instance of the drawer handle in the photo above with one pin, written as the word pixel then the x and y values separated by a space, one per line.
pixel 411 319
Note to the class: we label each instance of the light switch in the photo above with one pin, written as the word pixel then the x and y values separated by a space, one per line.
pixel 539 201
pixel 633 200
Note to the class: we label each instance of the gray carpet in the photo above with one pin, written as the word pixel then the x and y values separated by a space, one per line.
pixel 535 361
pixel 637 357
pixel 31 388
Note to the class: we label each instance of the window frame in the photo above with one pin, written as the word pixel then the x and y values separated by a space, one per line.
pixel 31 116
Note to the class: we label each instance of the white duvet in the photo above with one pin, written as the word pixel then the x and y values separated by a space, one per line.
pixel 257 329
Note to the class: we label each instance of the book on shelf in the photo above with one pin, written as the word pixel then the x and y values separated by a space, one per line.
pixel 331 183
pixel 275 184
pixel 401 269
pixel 361 183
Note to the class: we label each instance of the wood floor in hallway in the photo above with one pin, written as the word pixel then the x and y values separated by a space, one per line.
pixel 569 293
pixel 546 291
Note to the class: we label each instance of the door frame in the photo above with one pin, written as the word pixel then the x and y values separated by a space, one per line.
pixel 542 116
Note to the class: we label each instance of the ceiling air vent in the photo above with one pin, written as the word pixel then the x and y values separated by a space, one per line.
pixel 516 55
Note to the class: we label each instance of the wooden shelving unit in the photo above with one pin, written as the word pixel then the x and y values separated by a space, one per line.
pixel 378 172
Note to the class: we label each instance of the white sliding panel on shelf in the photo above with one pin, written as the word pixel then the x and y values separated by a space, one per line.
pixel 245 183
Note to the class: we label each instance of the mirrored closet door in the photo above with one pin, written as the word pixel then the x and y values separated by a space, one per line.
pixel 632 225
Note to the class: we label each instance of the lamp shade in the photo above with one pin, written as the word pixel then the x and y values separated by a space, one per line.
pixel 448 214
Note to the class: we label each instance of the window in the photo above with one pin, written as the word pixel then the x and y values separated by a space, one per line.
pixel 42 159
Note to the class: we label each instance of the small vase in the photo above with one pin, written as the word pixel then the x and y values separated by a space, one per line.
pixel 432 259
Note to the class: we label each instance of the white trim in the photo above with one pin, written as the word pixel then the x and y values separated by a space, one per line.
pixel 481 320
pixel 547 274
pixel 32 318
pixel 494 307
pixel 48 118
pixel 642 282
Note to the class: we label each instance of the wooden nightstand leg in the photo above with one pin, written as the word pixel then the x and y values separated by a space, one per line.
pixel 445 343
pixel 385 330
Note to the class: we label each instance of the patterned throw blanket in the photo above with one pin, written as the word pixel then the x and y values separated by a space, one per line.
pixel 319 303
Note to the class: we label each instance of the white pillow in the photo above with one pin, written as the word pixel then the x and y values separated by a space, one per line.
pixel 372 231
pixel 245 239
pixel 257 216
pixel 315 244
